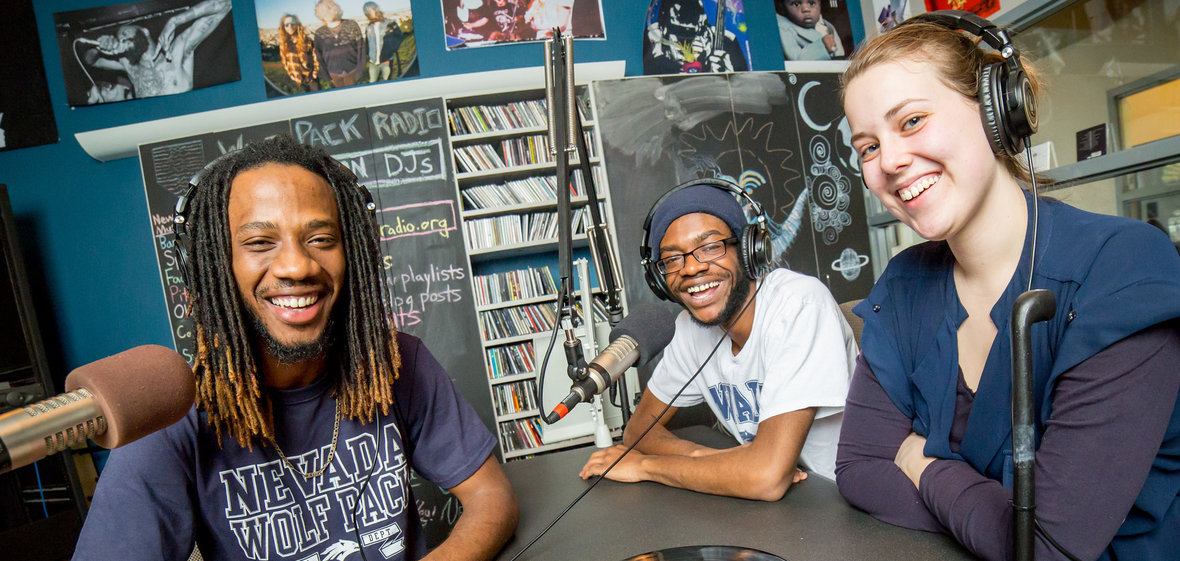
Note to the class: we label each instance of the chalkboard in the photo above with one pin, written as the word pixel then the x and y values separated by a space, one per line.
pixel 781 135
pixel 401 153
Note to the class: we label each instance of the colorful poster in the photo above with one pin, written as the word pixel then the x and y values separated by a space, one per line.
pixel 26 114
pixel 982 8
pixel 310 45
pixel 146 49
pixel 480 23
pixel 692 36
pixel 814 29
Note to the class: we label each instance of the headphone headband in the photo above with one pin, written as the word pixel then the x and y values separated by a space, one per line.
pixel 1006 100
pixel 994 36
pixel 722 184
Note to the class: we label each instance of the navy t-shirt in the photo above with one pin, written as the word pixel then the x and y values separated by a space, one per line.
pixel 160 495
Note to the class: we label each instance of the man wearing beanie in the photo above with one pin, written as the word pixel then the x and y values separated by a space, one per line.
pixel 777 382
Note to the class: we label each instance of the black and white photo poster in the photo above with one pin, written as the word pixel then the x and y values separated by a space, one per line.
pixel 26 114
pixel 146 49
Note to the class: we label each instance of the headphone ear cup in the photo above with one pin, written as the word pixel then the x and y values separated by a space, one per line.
pixel 1020 108
pixel 991 108
pixel 755 250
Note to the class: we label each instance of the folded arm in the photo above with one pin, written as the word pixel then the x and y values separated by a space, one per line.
pixel 1088 473
pixel 763 469
pixel 870 436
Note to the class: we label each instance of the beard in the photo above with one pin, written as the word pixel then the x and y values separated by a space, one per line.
pixel 287 353
pixel 140 46
pixel 733 305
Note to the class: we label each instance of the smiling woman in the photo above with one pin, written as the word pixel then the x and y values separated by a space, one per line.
pixel 920 144
pixel 927 440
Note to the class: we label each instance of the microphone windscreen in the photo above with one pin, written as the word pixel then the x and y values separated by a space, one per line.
pixel 140 391
pixel 651 326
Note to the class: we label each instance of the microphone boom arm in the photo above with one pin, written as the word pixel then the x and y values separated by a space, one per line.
pixel 1030 307
pixel 601 244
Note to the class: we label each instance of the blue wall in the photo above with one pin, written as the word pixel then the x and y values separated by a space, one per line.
pixel 83 224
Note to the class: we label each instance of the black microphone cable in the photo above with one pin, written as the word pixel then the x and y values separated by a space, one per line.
pixel 412 517
pixel 356 506
pixel 1032 174
pixel 651 426
pixel 540 386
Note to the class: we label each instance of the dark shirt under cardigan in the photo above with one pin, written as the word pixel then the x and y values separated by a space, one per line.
pixel 1106 384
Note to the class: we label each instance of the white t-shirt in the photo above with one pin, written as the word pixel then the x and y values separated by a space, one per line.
pixel 800 354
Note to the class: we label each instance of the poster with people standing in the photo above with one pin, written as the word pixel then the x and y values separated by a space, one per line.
pixel 146 49
pixel 313 45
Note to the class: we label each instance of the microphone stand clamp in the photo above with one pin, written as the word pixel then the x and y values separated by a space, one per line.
pixel 575 358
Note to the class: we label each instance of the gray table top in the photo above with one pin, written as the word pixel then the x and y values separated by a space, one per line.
pixel 616 521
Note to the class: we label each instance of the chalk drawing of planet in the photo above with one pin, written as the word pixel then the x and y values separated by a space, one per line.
pixel 850 263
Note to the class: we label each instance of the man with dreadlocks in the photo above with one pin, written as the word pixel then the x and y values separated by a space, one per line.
pixel 310 407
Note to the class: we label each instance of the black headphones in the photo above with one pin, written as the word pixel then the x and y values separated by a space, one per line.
pixel 755 247
pixel 180 219
pixel 180 213
pixel 1006 100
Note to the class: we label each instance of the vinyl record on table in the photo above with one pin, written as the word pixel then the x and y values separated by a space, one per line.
pixel 707 553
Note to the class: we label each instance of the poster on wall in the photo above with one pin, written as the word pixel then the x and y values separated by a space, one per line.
pixel 814 29
pixel 890 13
pixel 481 23
pixel 310 45
pixel 981 8
pixel 780 136
pixel 146 49
pixel 694 36
pixel 26 114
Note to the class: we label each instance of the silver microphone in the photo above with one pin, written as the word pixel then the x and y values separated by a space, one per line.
pixel 112 401
pixel 635 341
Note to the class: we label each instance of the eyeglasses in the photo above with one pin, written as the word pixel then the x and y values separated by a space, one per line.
pixel 711 251
pixel 288 24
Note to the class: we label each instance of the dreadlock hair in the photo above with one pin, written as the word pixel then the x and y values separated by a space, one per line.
pixel 226 367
